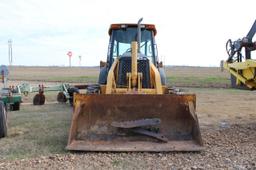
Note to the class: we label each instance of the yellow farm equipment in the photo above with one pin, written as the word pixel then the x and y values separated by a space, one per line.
pixel 131 108
pixel 242 67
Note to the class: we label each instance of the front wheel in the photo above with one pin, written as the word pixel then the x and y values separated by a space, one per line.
pixel 3 121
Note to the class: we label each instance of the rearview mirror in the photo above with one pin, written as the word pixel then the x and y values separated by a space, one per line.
pixel 160 64
pixel 103 64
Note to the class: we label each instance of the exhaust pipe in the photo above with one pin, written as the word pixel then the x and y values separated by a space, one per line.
pixel 139 34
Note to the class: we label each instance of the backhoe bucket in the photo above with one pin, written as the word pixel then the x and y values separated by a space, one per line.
pixel 134 122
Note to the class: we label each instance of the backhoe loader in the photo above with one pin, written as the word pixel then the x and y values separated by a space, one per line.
pixel 131 108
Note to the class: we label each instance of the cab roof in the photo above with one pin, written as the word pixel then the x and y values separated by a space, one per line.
pixel 126 25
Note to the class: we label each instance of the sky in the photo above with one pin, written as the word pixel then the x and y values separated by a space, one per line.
pixel 190 32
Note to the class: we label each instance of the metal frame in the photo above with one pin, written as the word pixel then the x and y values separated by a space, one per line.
pixel 243 71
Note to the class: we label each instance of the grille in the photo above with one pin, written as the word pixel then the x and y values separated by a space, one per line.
pixel 125 67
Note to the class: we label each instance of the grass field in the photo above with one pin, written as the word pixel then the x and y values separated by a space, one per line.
pixel 36 130
pixel 176 75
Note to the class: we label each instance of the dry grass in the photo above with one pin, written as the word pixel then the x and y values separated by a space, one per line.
pixel 55 74
pixel 36 130
pixel 176 75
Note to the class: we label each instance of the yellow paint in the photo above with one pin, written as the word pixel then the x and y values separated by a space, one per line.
pixel 111 78
pixel 243 71
pixel 134 76
pixel 155 76
pixel 241 65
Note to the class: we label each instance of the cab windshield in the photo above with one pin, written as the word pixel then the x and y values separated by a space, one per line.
pixel 122 38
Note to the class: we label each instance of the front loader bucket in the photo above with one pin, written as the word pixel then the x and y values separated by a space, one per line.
pixel 119 123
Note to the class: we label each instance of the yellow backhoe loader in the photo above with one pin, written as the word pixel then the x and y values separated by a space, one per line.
pixel 131 108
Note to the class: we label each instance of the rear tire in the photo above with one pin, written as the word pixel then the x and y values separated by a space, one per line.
pixel 39 99
pixel 163 76
pixel 16 106
pixel 3 120
pixel 103 76
pixel 61 98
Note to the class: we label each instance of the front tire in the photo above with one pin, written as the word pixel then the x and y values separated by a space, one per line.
pixel 163 76
pixel 103 76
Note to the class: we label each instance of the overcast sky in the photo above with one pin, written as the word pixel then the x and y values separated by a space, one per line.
pixel 190 32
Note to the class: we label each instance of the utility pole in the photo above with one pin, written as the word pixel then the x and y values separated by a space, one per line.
pixel 80 59
pixel 69 61
pixel 10 51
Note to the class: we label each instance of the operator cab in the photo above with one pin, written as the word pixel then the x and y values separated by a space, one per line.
pixel 121 37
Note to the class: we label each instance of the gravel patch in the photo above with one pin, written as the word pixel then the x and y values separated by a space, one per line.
pixel 228 147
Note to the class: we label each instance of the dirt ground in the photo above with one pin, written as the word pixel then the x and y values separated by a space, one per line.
pixel 227 121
